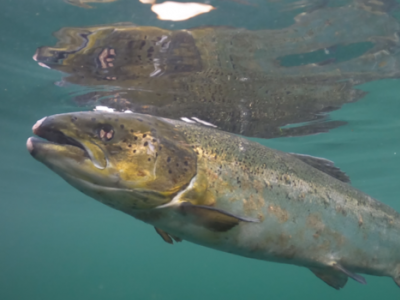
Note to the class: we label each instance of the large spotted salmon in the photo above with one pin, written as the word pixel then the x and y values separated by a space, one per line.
pixel 225 192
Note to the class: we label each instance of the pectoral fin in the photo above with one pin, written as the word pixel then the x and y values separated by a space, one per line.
pixel 212 218
pixel 335 279
pixel 176 239
pixel 165 236
pixel 169 238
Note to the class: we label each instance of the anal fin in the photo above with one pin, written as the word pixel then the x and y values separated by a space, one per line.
pixel 333 278
pixel 397 280
pixel 336 276
pixel 352 275
pixel 212 218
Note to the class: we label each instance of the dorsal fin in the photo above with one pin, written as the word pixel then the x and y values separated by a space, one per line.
pixel 323 165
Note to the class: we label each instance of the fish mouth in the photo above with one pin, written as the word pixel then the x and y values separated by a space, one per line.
pixel 52 136
pixel 52 141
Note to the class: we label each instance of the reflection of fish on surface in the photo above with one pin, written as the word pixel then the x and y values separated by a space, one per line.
pixel 222 191
pixel 377 6
pixel 82 3
pixel 233 78
pixel 374 6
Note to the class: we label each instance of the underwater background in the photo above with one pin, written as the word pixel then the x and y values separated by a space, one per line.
pixel 56 243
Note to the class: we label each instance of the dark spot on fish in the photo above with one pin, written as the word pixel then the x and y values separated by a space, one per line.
pixel 149 159
pixel 145 144
pixel 129 145
pixel 93 119
pixel 73 119
pixel 177 165
pixel 154 140
pixel 132 130
pixel 134 151
pixel 169 171
pixel 186 163
pixel 116 120
pixel 144 135
pixel 135 138
pixel 122 126
pixel 168 159
pixel 159 148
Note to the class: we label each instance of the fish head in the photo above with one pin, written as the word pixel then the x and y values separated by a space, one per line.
pixel 120 54
pixel 125 160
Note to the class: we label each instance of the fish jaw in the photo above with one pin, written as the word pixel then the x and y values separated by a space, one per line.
pixel 67 161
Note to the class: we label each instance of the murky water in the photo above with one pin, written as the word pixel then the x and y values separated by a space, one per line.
pixel 57 243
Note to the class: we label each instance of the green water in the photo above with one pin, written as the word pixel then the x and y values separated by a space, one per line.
pixel 57 243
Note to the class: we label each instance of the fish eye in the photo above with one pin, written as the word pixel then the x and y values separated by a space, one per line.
pixel 106 132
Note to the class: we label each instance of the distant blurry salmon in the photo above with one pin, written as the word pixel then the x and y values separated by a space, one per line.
pixel 82 3
pixel 224 192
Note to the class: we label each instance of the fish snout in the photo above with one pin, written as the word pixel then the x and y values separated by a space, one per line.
pixel 36 127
